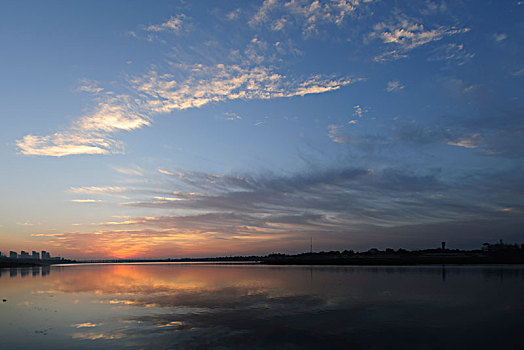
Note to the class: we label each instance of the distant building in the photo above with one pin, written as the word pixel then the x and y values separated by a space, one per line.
pixel 24 255
pixel 443 245
pixel 45 255
pixel 35 255
pixel 13 255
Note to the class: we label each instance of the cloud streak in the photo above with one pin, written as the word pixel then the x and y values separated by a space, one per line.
pixel 305 14
pixel 159 93
pixel 334 206
pixel 405 35
pixel 173 24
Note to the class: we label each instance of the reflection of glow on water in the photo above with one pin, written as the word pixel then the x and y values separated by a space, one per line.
pixel 129 302
pixel 52 291
pixel 125 302
pixel 96 336
pixel 170 324
pixel 206 306
pixel 86 325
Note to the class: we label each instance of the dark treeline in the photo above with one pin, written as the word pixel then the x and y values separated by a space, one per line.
pixel 498 253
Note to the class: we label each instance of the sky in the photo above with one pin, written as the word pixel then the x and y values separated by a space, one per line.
pixel 150 129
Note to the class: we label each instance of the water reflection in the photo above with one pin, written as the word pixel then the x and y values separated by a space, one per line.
pixel 242 307
pixel 35 271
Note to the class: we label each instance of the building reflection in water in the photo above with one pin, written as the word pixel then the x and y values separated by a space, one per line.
pixel 35 271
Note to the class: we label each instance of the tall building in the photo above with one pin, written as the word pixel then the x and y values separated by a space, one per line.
pixel 13 255
pixel 24 255
pixel 35 255
pixel 45 255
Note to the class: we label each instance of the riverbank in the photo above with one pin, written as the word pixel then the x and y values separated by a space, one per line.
pixel 395 261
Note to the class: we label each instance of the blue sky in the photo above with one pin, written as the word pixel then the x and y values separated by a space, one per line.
pixel 180 128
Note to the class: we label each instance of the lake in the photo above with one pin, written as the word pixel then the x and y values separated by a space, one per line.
pixel 248 306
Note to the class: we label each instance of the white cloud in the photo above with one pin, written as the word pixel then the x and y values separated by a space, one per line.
pixel 279 24
pixel 25 224
pixel 406 35
pixel 306 14
pixel 165 172
pixel 168 199
pixel 85 200
pixel 467 142
pixel 433 7
pixel 359 111
pixel 394 85
pixel 262 15
pixel 452 52
pixel 231 116
pixel 208 84
pixel 512 210
pixel 98 190
pixel 500 37
pixel 233 14
pixel 65 144
pixel 90 134
pixel 179 87
pixel 334 134
pixel 173 24
pixel 89 86
pixel 518 72
pixel 129 171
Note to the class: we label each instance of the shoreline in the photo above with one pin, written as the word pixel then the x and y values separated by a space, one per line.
pixel 396 261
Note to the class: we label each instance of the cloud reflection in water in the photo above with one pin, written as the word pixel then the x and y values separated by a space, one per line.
pixel 157 306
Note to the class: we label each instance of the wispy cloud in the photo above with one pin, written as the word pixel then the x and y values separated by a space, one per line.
pixel 179 86
pixel 89 86
pixel 467 142
pixel 233 210
pixel 98 190
pixel 334 133
pixel 451 53
pixel 405 35
pixel 235 14
pixel 231 116
pixel 68 143
pixel 307 15
pixel 86 200
pixel 165 172
pixel 92 133
pixel 26 223
pixel 208 84
pixel 134 171
pixel 518 72
pixel 394 85
pixel 359 111
pixel 168 199
pixel 158 93
pixel 173 24
pixel 500 37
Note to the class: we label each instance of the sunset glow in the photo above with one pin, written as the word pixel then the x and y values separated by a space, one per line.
pixel 195 129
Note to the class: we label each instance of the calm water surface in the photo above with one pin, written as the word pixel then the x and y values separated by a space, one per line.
pixel 204 306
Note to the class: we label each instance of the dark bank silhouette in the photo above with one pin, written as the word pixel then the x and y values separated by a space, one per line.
pixel 498 253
